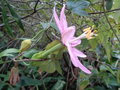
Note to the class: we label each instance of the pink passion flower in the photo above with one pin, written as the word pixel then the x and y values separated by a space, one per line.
pixel 69 40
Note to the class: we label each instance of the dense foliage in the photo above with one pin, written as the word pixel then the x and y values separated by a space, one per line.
pixel 29 37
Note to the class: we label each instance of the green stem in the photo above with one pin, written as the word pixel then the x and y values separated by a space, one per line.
pixel 37 34
pixel 56 47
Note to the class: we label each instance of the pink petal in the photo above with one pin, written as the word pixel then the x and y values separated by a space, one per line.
pixel 68 35
pixel 63 20
pixel 72 56
pixel 79 53
pixel 83 68
pixel 75 60
pixel 57 20
pixel 76 42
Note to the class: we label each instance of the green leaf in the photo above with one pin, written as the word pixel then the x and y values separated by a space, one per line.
pixel 84 84
pixel 59 85
pixel 118 76
pixel 30 53
pixel 82 81
pixel 2 84
pixel 48 79
pixel 113 81
pixel 99 88
pixel 16 17
pixel 93 43
pixel 58 67
pixel 26 81
pixel 5 19
pixel 109 4
pixel 103 68
pixel 14 14
pixel 5 76
pixel 77 6
pixel 53 50
pixel 109 69
pixel 106 68
pixel 38 55
pixel 80 12
pixel 89 89
pixel 116 54
pixel 57 52
pixel 104 35
pixel 1 34
pixel 115 15
pixel 108 50
pixel 8 52
pixel 52 44
pixel 47 66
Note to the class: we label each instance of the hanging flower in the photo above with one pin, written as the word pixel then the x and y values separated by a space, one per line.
pixel 14 76
pixel 70 41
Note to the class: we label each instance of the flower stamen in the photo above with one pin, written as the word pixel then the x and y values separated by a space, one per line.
pixel 88 33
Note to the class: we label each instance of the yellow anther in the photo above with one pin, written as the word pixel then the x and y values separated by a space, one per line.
pixel 90 32
pixel 87 29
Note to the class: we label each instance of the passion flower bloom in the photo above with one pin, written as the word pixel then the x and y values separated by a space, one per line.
pixel 70 41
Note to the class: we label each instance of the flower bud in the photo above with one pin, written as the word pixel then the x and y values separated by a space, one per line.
pixel 25 45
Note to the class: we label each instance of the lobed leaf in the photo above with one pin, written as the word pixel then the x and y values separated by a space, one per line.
pixel 78 6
